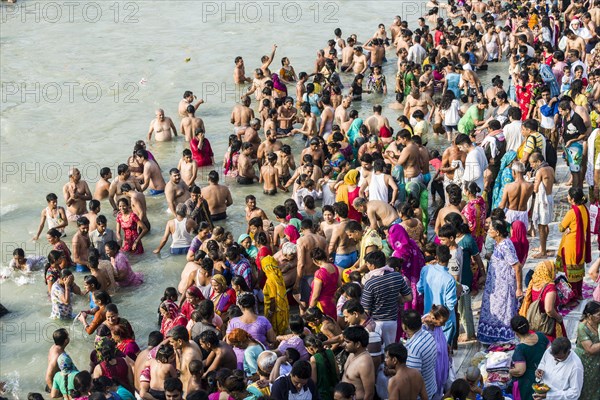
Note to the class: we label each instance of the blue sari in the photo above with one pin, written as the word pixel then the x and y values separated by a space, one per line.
pixel 503 178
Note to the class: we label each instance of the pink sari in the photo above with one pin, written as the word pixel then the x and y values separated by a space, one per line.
pixel 475 214
pixel 328 290
pixel 409 252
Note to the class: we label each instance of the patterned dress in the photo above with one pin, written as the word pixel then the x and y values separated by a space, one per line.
pixel 499 302
pixel 130 228
pixel 591 363
pixel 60 310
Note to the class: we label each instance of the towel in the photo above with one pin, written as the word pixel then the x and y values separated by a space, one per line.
pixel 542 207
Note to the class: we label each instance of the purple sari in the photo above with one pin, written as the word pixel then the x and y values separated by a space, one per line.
pixel 409 252
pixel 278 85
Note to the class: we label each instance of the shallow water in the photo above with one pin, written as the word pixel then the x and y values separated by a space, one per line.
pixel 79 87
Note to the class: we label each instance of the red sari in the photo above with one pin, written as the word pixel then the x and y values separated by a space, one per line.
pixel 524 94
pixel 202 157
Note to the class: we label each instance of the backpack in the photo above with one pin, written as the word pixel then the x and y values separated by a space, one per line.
pixel 538 320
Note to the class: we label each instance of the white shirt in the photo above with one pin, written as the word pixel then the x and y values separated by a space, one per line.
pixel 513 135
pixel 475 164
pixel 416 53
pixel 565 378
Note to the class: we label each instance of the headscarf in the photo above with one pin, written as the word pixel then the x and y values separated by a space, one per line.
pixel 243 237
pixel 278 85
pixel 295 222
pixel 543 274
pixel 351 178
pixel 220 279
pixel 65 364
pixel 171 308
pixel 504 177
pixel 519 239
pixel 288 249
pixel 105 348
pixel 407 250
pixel 292 233
pixel 195 291
pixel 353 131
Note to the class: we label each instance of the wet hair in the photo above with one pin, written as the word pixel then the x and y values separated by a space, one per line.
pixel 357 334
pixel 210 337
pixel 397 351
pixel 173 385
pixel 519 324
pixel 18 252
pixel 577 195
pixel 51 197
pixel 179 332
pixel 55 233
pixel 345 389
pixel 354 226
pixel 60 336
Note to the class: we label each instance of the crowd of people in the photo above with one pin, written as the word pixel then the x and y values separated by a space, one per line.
pixel 369 295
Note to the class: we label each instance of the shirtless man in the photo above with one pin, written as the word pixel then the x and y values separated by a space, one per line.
pixel 452 159
pixel 80 245
pixel 446 51
pixel 543 204
pixel 453 200
pixel 247 174
pixel 341 248
pixel 286 117
pixel 190 124
pixel 162 126
pixel 272 144
pixel 61 340
pixel 114 192
pixel 359 369
pixel 380 213
pixel 103 185
pixel 152 177
pixel 76 193
pixel 359 62
pixel 575 42
pixel 258 84
pixel 267 60
pixel 161 369
pixel 417 100
pixel 392 152
pixel 187 101
pixel 220 354
pixel 217 196
pixel 377 50
pixel 314 149
pixel 328 224
pixel 348 55
pixel 137 201
pixel 376 121
pixel 326 118
pixel 188 168
pixel 405 383
pixel 341 112
pixel 252 211
pixel 309 125
pixel 239 72
pixel 143 358
pixel 410 158
pixel 306 267
pixel 176 190
pixel 376 185
pixel 269 176
pixel 515 196
pixel 285 162
pixel 395 28
pixel 186 351
pixel 241 115
pixel 471 84
pixel 250 134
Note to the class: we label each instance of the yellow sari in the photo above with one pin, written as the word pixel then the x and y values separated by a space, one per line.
pixel 275 295
pixel 575 246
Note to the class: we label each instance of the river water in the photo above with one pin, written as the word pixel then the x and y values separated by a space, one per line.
pixel 80 83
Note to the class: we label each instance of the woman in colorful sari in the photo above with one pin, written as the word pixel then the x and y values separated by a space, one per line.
pixel 502 288
pixel 475 214
pixel 504 177
pixel 62 382
pixel 348 191
pixel 542 288
pixel 171 316
pixel 588 350
pixel 408 251
pixel 279 88
pixel 519 240
pixel 222 296
pixel 575 247
pixel 353 133
pixel 124 275
pixel 291 233
pixel 324 286
pixel 277 308
pixel 336 157
pixel 230 164
pixel 528 354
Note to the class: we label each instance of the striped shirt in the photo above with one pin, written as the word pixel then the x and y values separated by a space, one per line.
pixel 422 356
pixel 381 294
